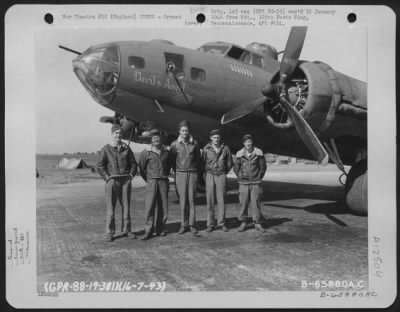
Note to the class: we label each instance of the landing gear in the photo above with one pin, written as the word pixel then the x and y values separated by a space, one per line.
pixel 356 188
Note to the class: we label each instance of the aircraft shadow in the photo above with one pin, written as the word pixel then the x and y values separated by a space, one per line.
pixel 332 196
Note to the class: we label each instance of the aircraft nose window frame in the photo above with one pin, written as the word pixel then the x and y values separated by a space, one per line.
pixel 99 71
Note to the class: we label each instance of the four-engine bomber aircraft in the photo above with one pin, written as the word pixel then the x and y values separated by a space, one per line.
pixel 293 107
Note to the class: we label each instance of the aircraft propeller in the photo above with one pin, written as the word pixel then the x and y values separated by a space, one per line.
pixel 126 124
pixel 288 65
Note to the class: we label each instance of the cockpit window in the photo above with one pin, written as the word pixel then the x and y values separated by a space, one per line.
pixel 98 70
pixel 136 62
pixel 235 52
pixel 214 49
pixel 246 57
pixel 258 61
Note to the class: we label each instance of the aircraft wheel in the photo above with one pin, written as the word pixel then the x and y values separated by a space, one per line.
pixel 356 188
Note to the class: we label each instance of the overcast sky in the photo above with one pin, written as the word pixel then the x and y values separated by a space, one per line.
pixel 68 118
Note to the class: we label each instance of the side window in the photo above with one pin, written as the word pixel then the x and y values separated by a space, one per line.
pixel 175 63
pixel 136 62
pixel 197 74
pixel 246 57
pixel 258 61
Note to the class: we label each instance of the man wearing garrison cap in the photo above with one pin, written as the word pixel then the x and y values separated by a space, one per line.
pixel 250 167
pixel 218 161
pixel 155 165
pixel 186 161
pixel 117 166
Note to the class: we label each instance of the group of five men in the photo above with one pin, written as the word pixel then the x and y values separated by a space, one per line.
pixel 117 166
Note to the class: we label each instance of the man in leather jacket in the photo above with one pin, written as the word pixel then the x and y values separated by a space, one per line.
pixel 117 166
pixel 155 165
pixel 218 161
pixel 186 161
pixel 250 167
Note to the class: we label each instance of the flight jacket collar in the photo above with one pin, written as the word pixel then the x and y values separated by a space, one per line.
pixel 180 140
pixel 256 152
pixel 209 146
pixel 151 148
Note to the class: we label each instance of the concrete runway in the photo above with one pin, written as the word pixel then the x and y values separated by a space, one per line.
pixel 310 236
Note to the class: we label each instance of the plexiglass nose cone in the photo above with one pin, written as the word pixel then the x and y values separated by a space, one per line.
pixel 99 70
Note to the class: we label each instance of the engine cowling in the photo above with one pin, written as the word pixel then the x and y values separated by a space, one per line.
pixel 319 92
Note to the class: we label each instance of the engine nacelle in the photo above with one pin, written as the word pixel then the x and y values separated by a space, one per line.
pixel 322 95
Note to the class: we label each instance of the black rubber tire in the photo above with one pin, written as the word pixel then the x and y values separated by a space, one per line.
pixel 356 188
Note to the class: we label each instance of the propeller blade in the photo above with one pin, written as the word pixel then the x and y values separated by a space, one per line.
pixel 305 132
pixel 292 52
pixel 242 110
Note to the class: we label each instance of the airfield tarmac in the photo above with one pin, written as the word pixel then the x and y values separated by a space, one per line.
pixel 310 236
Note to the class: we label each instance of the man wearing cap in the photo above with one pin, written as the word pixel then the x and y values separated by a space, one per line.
pixel 186 161
pixel 117 166
pixel 155 165
pixel 250 167
pixel 218 161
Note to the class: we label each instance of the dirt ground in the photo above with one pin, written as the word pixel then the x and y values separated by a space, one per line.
pixel 310 236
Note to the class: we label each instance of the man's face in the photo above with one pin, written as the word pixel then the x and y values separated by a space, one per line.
pixel 117 136
pixel 248 144
pixel 184 132
pixel 156 140
pixel 216 139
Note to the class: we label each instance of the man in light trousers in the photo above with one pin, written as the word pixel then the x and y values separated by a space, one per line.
pixel 250 167
pixel 218 162
pixel 186 161
pixel 117 166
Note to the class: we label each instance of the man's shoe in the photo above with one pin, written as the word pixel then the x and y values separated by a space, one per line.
pixel 163 233
pixel 193 230
pixel 109 238
pixel 259 227
pixel 225 229
pixel 146 236
pixel 242 227
pixel 209 229
pixel 182 230
pixel 130 235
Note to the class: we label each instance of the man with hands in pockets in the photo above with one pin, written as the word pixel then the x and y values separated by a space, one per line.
pixel 117 166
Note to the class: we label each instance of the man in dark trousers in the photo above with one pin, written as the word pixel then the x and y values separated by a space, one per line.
pixel 186 161
pixel 117 166
pixel 155 165
pixel 250 167
pixel 218 161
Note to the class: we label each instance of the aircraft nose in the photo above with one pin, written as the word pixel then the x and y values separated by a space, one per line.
pixel 99 70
